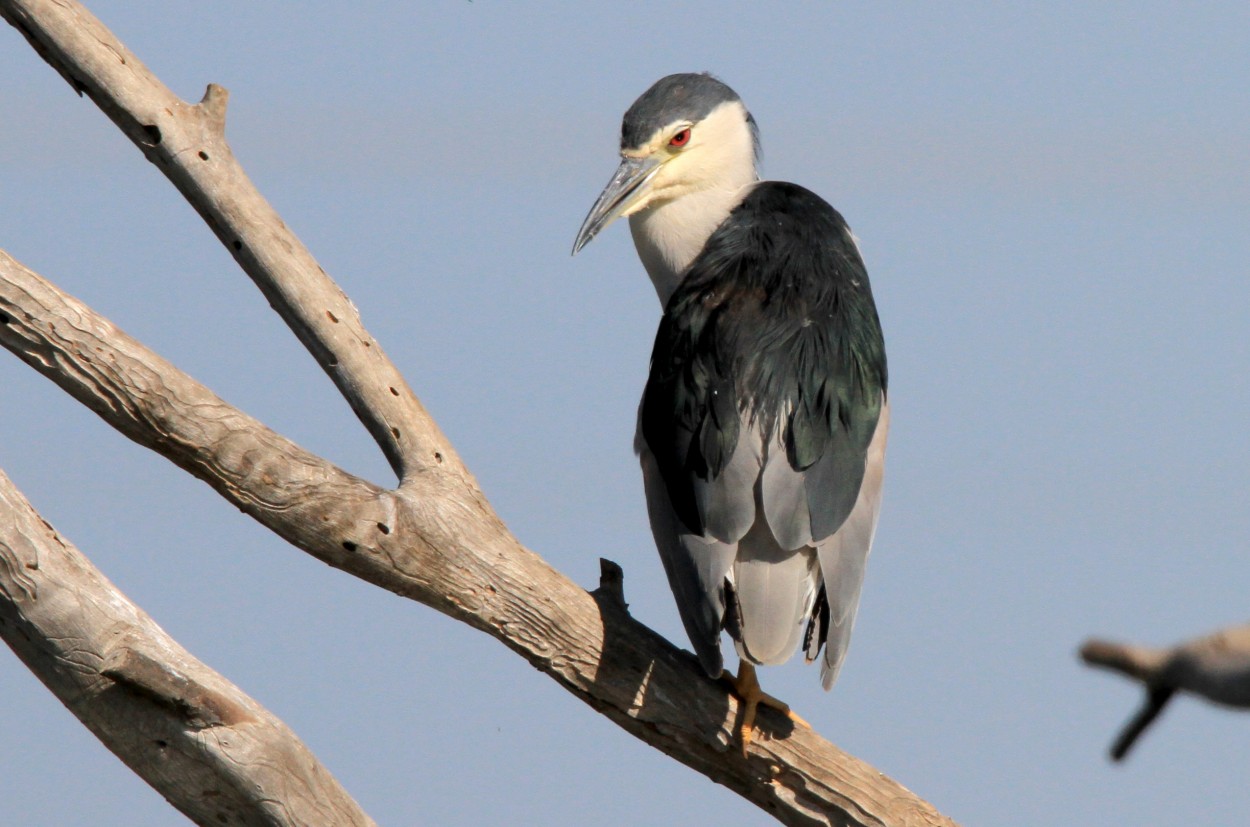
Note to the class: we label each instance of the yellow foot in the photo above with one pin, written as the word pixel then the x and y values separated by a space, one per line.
pixel 747 687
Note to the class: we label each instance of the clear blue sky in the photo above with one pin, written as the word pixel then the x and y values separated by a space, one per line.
pixel 1053 203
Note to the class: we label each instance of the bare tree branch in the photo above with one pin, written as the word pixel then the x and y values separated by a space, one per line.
pixel 434 539
pixel 187 143
pixel 216 754
pixel 434 545
pixel 1215 667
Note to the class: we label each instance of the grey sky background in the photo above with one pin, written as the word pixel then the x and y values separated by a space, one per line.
pixel 1053 203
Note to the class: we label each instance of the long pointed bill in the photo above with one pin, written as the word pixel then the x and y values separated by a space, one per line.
pixel 627 186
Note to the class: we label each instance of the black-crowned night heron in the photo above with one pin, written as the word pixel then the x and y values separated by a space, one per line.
pixel 762 427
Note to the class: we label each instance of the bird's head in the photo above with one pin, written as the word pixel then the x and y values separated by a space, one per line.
pixel 688 132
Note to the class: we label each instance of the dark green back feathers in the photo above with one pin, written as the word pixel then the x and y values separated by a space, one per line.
pixel 774 320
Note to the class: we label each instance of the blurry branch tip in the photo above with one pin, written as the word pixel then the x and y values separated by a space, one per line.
pixel 1215 667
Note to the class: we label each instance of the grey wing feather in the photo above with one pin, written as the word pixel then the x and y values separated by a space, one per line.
pixel 844 555
pixel 696 567
pixel 775 583
pixel 783 498
pixel 775 588
pixel 726 503
pixel 775 577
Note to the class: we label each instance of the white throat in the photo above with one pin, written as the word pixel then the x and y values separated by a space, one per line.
pixel 669 235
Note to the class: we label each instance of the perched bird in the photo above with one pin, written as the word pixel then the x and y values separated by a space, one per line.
pixel 762 426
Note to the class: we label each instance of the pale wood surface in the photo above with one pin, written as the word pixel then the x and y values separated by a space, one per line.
pixel 212 751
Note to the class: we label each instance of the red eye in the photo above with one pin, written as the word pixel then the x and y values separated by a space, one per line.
pixel 681 138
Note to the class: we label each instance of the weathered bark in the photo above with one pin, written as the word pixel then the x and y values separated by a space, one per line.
pixel 434 539
pixel 1215 667
pixel 212 751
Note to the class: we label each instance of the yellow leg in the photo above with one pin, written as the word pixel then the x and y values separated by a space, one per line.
pixel 747 687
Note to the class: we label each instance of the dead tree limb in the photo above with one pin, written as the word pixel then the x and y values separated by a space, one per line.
pixel 187 143
pixel 1215 667
pixel 434 538
pixel 212 751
